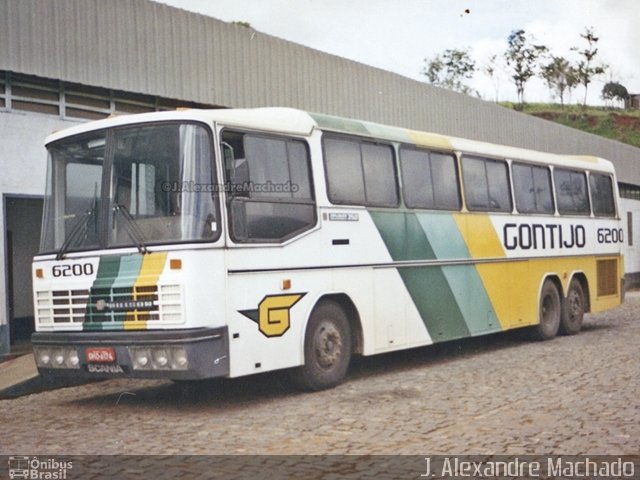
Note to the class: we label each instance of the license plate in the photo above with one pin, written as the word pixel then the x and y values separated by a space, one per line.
pixel 100 355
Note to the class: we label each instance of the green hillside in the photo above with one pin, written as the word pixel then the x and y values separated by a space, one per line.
pixel 617 124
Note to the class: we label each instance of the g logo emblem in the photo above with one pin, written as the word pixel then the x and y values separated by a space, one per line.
pixel 273 315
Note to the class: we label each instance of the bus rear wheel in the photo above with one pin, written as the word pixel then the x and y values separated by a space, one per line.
pixel 574 307
pixel 327 349
pixel 549 312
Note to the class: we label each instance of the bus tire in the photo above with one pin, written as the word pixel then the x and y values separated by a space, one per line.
pixel 573 311
pixel 327 349
pixel 549 312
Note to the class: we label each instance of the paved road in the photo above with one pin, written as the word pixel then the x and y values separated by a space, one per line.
pixel 498 394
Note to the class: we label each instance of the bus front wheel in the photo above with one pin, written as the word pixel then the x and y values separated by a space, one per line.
pixel 571 321
pixel 549 312
pixel 327 349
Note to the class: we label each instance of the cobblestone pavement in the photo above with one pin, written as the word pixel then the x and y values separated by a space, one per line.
pixel 497 394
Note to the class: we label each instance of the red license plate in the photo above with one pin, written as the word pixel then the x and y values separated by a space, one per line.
pixel 100 355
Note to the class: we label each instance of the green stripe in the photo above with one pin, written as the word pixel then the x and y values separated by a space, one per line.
pixel 465 282
pixel 359 127
pixel 114 272
pixel 108 269
pixel 103 326
pixel 114 281
pixel 428 286
pixel 342 124
pixel 451 300
pixel 128 271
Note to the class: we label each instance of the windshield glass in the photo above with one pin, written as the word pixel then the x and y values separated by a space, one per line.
pixel 73 192
pixel 156 189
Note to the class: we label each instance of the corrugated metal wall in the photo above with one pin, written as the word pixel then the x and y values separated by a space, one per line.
pixel 141 46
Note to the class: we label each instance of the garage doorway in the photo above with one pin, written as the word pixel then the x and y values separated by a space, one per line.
pixel 22 239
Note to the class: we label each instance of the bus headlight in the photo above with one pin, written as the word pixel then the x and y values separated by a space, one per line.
pixel 58 358
pixel 141 358
pixel 159 358
pixel 63 357
pixel 73 361
pixel 180 361
pixel 43 356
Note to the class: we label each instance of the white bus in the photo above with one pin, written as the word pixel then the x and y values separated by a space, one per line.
pixel 220 243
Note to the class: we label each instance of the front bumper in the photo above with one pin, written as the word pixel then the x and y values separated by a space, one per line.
pixel 206 351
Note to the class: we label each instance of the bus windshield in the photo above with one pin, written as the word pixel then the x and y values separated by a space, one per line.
pixel 130 186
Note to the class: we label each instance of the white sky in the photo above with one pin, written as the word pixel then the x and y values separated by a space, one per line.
pixel 398 35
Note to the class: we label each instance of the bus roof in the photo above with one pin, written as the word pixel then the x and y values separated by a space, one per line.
pixel 298 122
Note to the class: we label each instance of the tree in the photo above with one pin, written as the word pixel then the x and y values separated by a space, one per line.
pixel 492 70
pixel 586 69
pixel 572 81
pixel 522 56
pixel 615 91
pixel 242 24
pixel 560 76
pixel 450 70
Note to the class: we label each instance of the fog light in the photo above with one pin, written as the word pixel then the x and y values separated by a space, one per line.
pixel 180 360
pixel 58 358
pixel 72 359
pixel 141 358
pixel 43 357
pixel 160 358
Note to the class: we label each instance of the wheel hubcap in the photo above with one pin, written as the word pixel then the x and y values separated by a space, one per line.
pixel 575 306
pixel 548 309
pixel 328 345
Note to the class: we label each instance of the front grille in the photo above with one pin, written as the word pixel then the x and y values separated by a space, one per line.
pixel 156 304
pixel 62 306
pixel 123 304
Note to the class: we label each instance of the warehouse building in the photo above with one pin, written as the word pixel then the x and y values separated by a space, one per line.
pixel 69 61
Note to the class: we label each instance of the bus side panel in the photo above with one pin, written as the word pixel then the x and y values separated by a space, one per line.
pixel 548 247
pixel 390 320
pixel 432 258
pixel 267 321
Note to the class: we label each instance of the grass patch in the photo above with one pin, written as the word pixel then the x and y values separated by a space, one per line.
pixel 613 123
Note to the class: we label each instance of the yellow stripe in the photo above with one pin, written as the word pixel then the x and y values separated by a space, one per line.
pixel 513 286
pixel 480 235
pixel 134 324
pixel 483 242
pixel 150 271
pixel 424 139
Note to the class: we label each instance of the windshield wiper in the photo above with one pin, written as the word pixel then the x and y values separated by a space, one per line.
pixel 81 226
pixel 132 228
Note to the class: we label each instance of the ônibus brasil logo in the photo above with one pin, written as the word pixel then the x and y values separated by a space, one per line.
pixel 38 468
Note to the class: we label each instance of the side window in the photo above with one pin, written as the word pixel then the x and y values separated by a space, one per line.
pixel 486 184
pixel 429 179
pixel 268 180
pixel 532 189
pixel 360 172
pixel 602 195
pixel 571 192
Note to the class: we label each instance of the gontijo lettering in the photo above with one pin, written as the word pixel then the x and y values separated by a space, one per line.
pixel 543 236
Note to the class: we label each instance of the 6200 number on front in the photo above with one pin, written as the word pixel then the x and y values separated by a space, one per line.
pixel 73 270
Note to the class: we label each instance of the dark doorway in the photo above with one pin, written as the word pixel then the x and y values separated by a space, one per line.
pixel 23 217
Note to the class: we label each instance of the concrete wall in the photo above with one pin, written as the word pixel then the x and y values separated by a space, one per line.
pixel 631 252
pixel 142 46
pixel 23 166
